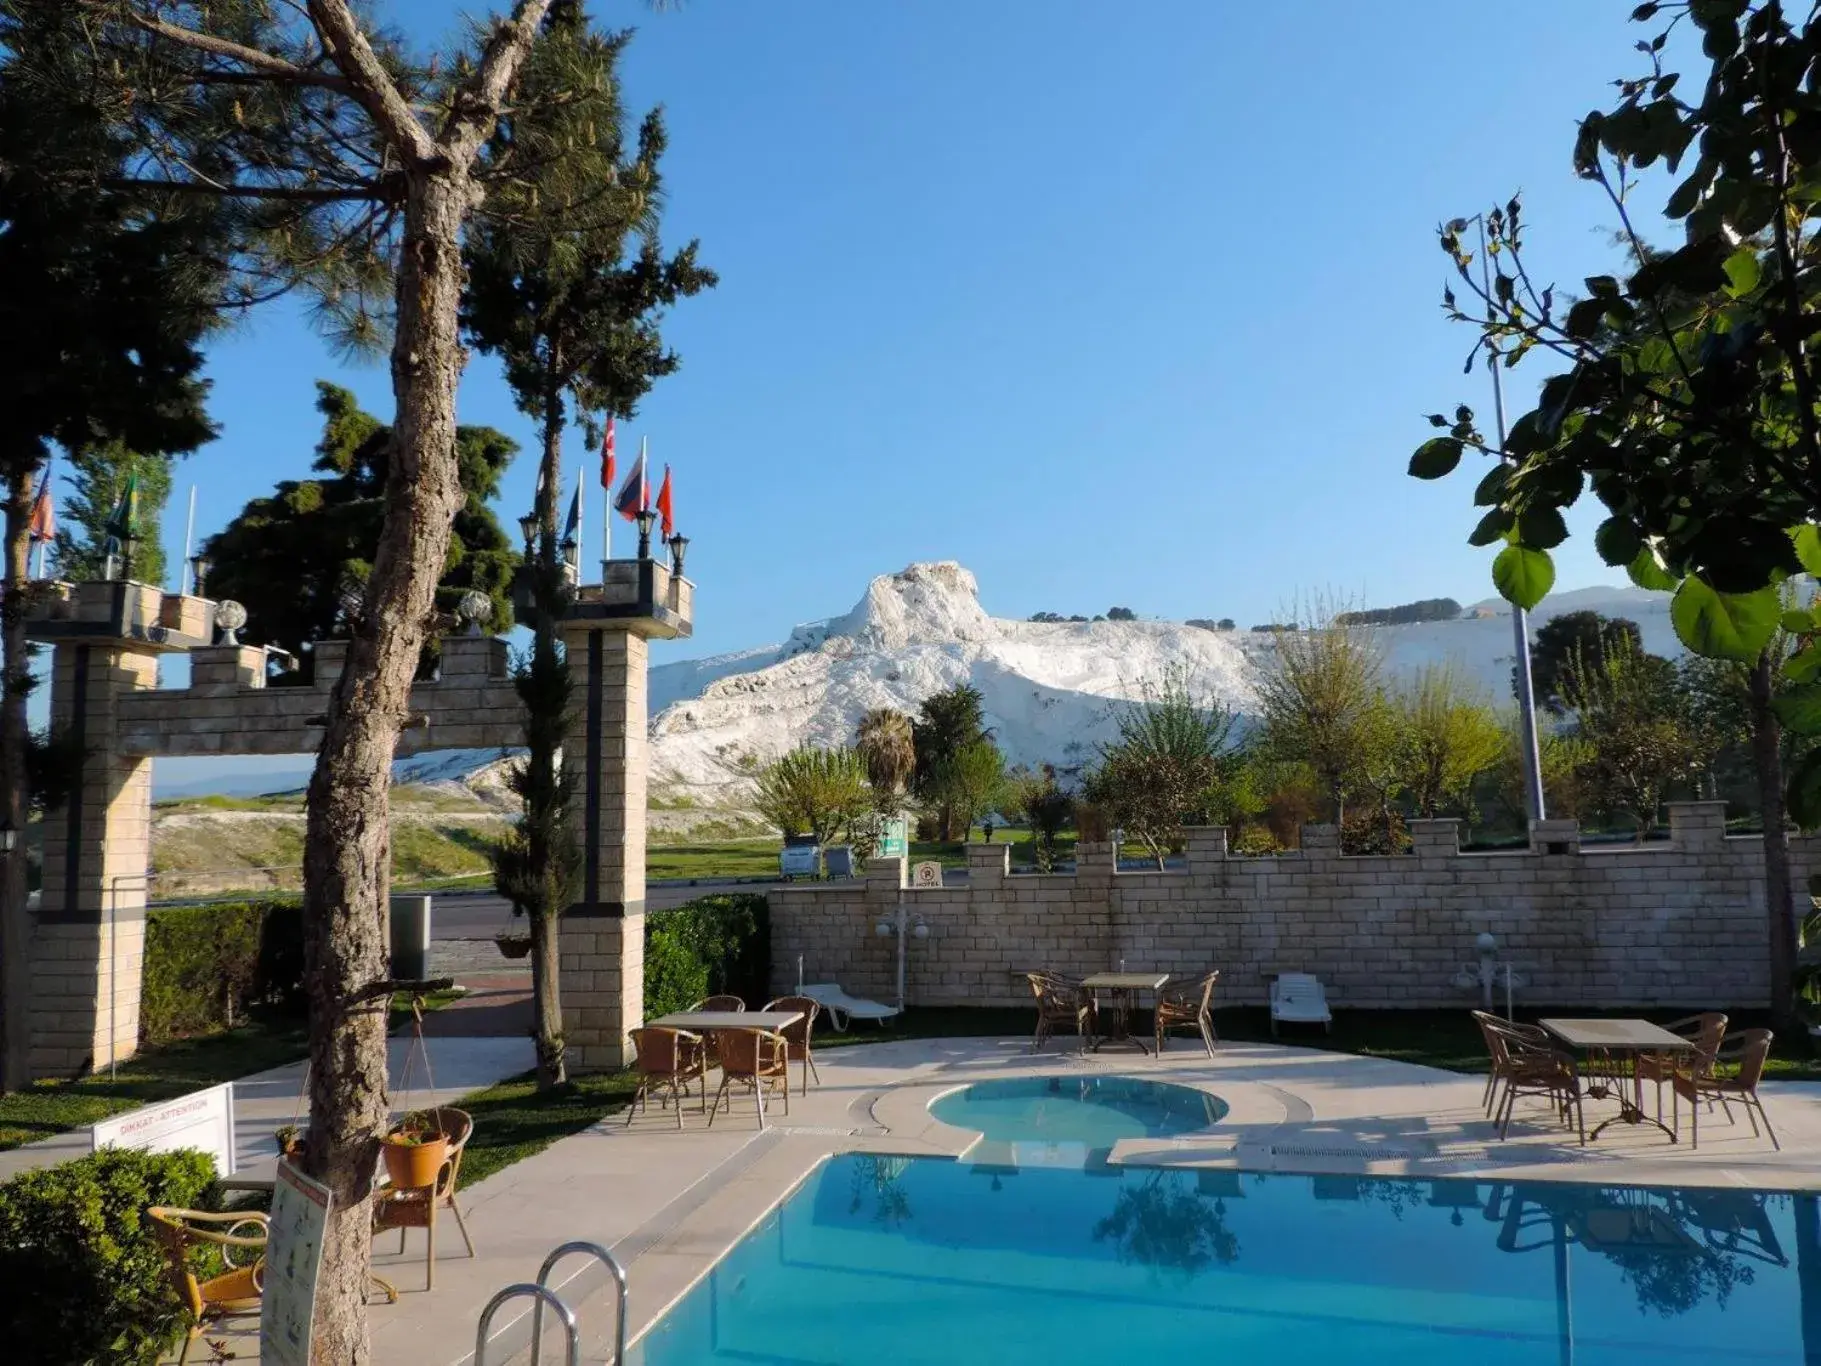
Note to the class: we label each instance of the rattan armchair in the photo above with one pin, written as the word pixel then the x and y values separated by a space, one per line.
pixel 798 1035
pixel 1495 1029
pixel 231 1293
pixel 1733 1074
pixel 1533 1068
pixel 1060 1001
pixel 396 1208
pixel 720 1003
pixel 755 1059
pixel 667 1060
pixel 1188 1007
pixel 1706 1031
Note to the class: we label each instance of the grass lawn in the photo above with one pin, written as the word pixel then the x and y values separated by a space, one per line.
pixel 163 1071
pixel 724 858
pixel 513 1122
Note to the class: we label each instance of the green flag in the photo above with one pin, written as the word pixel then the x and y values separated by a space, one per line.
pixel 123 522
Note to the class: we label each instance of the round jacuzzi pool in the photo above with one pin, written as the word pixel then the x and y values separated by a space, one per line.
pixel 1093 1111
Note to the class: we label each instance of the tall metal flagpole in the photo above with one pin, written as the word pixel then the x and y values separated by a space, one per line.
pixel 189 536
pixel 1520 619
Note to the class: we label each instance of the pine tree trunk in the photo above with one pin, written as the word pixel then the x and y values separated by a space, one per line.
pixel 15 912
pixel 547 1001
pixel 546 984
pixel 1767 759
pixel 347 849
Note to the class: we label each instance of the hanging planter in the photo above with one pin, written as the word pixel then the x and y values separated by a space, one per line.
pixel 513 945
pixel 416 1148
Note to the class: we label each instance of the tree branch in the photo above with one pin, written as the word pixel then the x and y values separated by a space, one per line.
pixel 293 193
pixel 273 67
pixel 368 81
pixel 476 104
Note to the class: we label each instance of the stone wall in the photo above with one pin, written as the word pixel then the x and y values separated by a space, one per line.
pixel 1675 923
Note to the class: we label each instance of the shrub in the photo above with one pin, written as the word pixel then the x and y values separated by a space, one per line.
pixel 1255 841
pixel 206 967
pixel 711 945
pixel 90 1286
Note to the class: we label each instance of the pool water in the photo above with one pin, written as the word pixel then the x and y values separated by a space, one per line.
pixel 890 1261
pixel 1073 1121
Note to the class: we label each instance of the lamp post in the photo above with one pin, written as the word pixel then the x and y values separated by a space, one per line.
pixel 679 545
pixel 199 573
pixel 1520 619
pixel 645 519
pixel 527 526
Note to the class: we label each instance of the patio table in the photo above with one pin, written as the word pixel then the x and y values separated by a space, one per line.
pixel 1124 986
pixel 708 1021
pixel 1612 1048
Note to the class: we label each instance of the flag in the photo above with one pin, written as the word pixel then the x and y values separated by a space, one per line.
pixel 663 505
pixel 44 515
pixel 634 495
pixel 123 522
pixel 572 528
pixel 607 455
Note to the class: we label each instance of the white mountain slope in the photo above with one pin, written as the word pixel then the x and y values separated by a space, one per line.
pixel 1049 689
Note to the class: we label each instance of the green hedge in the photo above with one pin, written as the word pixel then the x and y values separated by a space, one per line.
pixel 711 945
pixel 86 1283
pixel 207 967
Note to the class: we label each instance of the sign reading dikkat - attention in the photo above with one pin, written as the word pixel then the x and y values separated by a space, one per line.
pixel 300 1215
pixel 202 1119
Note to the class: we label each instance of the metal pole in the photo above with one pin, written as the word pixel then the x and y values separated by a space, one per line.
pixel 1520 619
pixel 902 928
pixel 189 536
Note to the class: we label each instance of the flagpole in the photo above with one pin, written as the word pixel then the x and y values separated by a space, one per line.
pixel 189 536
pixel 606 529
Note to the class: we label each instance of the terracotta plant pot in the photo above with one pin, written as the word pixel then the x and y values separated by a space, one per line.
pixel 514 945
pixel 414 1165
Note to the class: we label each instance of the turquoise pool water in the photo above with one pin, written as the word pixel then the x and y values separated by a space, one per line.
pixel 880 1261
pixel 1072 1121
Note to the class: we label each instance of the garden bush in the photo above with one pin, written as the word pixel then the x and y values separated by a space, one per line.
pixel 88 1284
pixel 207 967
pixel 704 947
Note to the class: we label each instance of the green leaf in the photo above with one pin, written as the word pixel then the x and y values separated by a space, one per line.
pixel 1803 666
pixel 1798 623
pixel 1492 487
pixel 1724 625
pixel 1804 794
pixel 1742 271
pixel 1541 527
pixel 1523 576
pixel 1494 526
pixel 1807 540
pixel 1799 709
pixel 1435 457
pixel 1617 541
pixel 1647 571
pixel 1584 318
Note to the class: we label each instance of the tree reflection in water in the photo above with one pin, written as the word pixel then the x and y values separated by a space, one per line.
pixel 1164 1224
pixel 881 1178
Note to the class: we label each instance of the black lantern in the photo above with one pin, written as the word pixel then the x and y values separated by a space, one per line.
pixel 679 544
pixel 645 519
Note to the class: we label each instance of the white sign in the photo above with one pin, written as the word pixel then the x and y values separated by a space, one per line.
pixel 300 1214
pixel 202 1119
pixel 928 874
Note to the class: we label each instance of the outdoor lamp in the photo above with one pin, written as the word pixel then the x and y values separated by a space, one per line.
pixel 527 525
pixel 883 929
pixel 1486 943
pixel 679 544
pixel 9 837
pixel 645 518
pixel 922 930
pixel 199 571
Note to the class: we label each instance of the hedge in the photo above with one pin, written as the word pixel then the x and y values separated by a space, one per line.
pixel 207 967
pixel 86 1282
pixel 705 947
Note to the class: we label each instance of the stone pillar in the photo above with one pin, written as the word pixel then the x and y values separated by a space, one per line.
pixel 988 865
pixel 88 942
pixel 603 934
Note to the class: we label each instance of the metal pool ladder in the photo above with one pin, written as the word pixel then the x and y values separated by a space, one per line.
pixel 541 1294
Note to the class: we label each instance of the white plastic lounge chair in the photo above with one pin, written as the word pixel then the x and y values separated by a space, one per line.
pixel 1300 999
pixel 841 1007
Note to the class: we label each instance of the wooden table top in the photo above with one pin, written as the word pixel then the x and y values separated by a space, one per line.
pixel 1126 981
pixel 1625 1035
pixel 698 1021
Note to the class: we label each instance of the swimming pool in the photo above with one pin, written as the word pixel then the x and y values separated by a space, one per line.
pixel 891 1261
pixel 1073 1120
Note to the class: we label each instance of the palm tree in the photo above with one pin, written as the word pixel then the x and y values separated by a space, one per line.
pixel 886 746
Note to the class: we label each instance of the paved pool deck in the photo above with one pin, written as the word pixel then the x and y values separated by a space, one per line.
pixel 669 1203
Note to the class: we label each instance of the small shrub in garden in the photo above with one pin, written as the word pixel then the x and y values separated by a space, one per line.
pixel 87 1284
pixel 722 941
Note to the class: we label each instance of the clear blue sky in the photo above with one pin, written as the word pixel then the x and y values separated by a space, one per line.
pixel 1114 303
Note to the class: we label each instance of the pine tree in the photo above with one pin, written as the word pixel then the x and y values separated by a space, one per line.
pixel 96 479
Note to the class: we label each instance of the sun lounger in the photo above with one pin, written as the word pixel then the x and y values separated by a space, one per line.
pixel 1300 999
pixel 841 1007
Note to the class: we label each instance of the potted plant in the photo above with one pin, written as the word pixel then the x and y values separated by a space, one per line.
pixel 513 945
pixel 291 1142
pixel 416 1148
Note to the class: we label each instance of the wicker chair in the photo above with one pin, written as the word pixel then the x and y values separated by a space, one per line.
pixel 1745 1053
pixel 1532 1068
pixel 394 1208
pixel 1495 1029
pixel 756 1059
pixel 798 1035
pixel 234 1291
pixel 1706 1031
pixel 667 1061
pixel 1187 1007
pixel 1060 1001
pixel 720 1003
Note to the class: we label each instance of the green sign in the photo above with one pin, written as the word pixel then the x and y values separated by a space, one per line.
pixel 896 841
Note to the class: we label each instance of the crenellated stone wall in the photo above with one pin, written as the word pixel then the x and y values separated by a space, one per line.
pixel 1674 923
